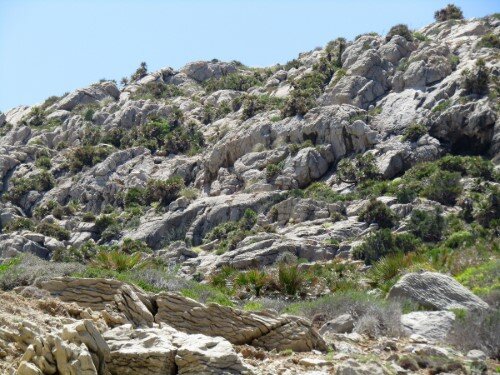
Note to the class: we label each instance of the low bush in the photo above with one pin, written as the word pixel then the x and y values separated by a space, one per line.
pixel 86 156
pixel 401 30
pixel 253 104
pixel 443 187
pixel 19 223
pixel 426 225
pixel 53 230
pixel 141 72
pixel 378 212
pixel 254 279
pixel 116 260
pixel 450 12
pixel 273 170
pixel 382 243
pixel 483 279
pixel 19 187
pixel 43 162
pixel 163 191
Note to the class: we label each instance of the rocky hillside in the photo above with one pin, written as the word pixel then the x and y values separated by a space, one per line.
pixel 336 214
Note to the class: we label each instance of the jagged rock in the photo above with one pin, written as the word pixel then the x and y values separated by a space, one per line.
pixel 437 291
pixel 237 326
pixel 120 302
pixel 431 325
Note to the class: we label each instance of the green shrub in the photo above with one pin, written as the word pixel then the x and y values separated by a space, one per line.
pixel 53 230
pixel 382 243
pixel 358 169
pixel 450 12
pixel 273 170
pixel 414 132
pixel 490 40
pixel 88 217
pixel 86 156
pixel 134 196
pixel 475 82
pixel 43 162
pixel 253 104
pixel 458 239
pixel 419 36
pixel 163 191
pixel 254 279
pixel 116 260
pixel 290 279
pixel 443 187
pixel 156 90
pixel 19 223
pixel 234 81
pixel 378 212
pixel 19 187
pixel 428 226
pixel 401 30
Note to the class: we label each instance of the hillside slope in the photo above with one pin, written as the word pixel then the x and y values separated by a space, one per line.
pixel 316 188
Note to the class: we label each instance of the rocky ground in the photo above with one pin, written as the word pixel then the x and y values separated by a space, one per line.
pixel 336 214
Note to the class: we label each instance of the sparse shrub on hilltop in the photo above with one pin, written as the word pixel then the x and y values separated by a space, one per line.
pixel 450 12
pixel 401 30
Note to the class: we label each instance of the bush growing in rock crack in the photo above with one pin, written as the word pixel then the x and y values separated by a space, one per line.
pixel 357 169
pixel 19 187
pixel 475 82
pixel 414 132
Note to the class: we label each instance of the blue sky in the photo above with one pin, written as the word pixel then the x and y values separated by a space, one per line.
pixel 48 47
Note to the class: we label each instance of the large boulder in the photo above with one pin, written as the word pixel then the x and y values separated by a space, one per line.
pixel 92 94
pixel 436 291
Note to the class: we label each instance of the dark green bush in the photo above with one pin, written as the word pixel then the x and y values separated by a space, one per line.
pixel 53 230
pixel 253 104
pixel 443 187
pixel 382 243
pixel 378 212
pixel 426 225
pixel 163 191
pixel 86 156
pixel 401 30
pixel 450 12
pixel 290 278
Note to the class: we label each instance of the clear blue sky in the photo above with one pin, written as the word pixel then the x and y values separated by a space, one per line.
pixel 48 47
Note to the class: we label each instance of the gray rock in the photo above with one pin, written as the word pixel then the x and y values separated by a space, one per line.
pixel 431 325
pixel 437 291
pixel 341 324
